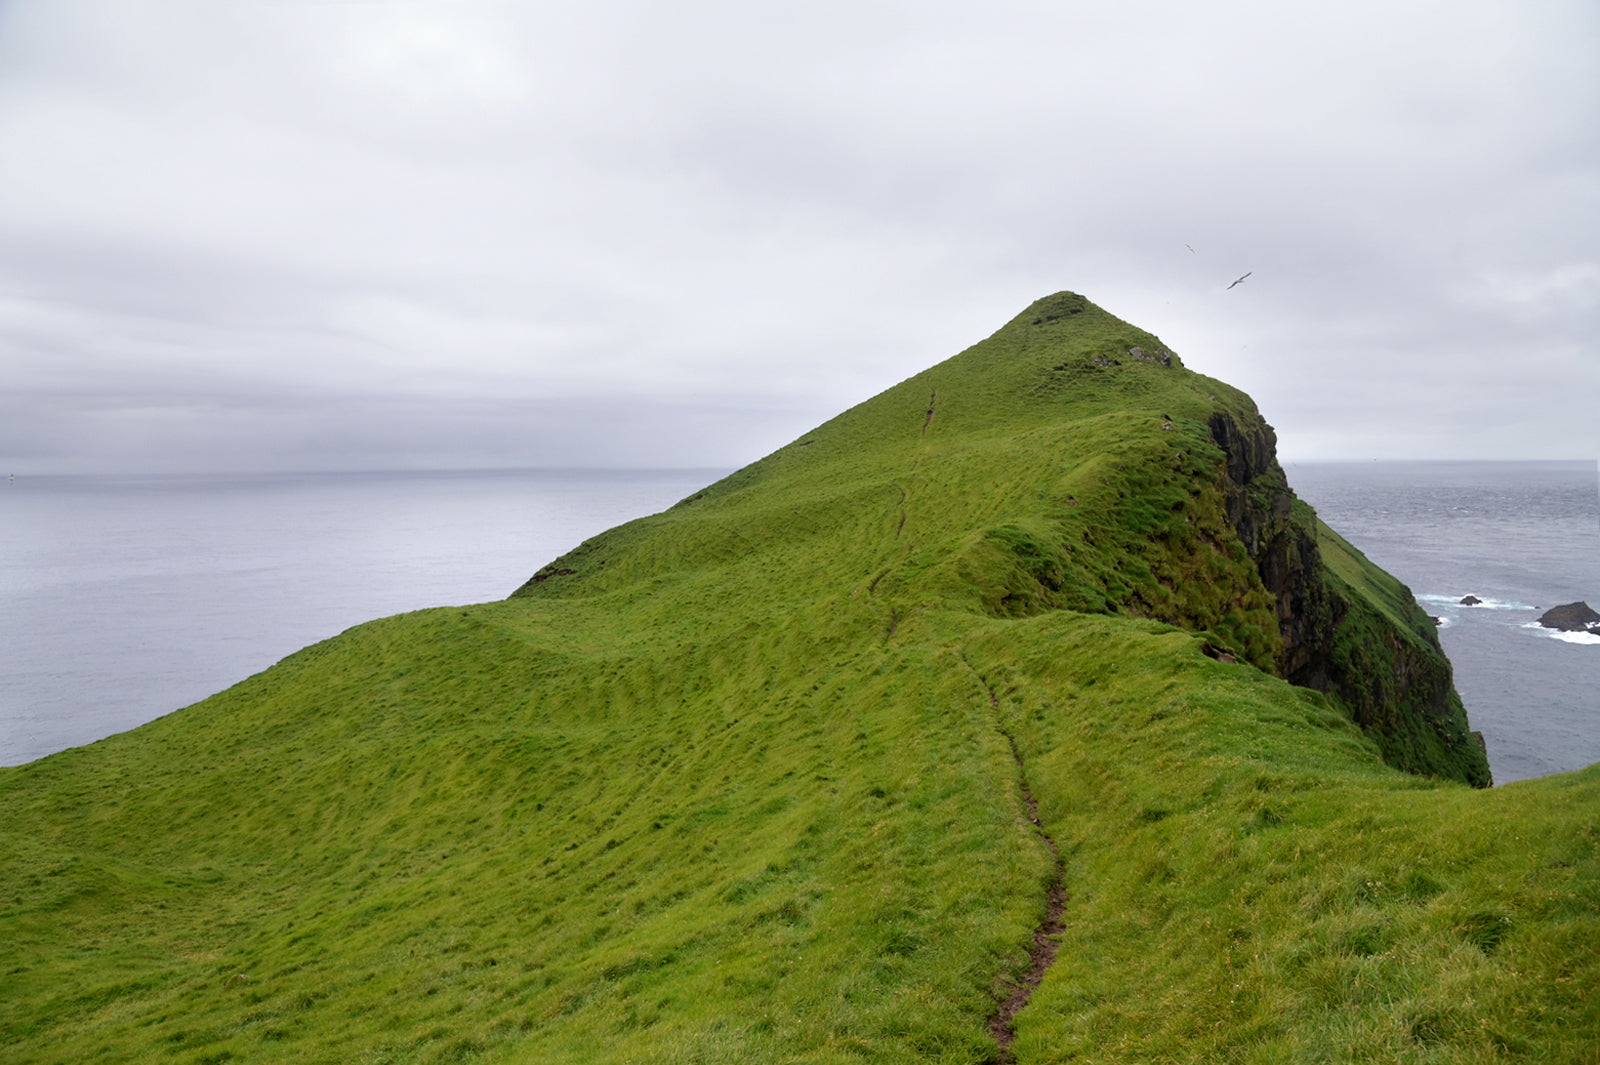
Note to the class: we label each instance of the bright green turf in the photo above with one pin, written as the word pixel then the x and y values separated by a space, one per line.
pixel 740 787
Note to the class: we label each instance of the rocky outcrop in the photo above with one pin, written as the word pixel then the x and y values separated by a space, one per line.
pixel 1471 600
pixel 1395 683
pixel 1571 617
pixel 1252 452
pixel 1260 507
pixel 1160 355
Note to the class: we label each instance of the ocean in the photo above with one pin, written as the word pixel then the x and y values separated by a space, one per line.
pixel 1520 536
pixel 123 598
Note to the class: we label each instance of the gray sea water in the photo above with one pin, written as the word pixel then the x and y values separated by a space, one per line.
pixel 1521 536
pixel 122 598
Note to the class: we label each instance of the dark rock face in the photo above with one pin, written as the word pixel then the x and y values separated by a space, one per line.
pixel 1251 450
pixel 1571 617
pixel 1470 600
pixel 1259 506
pixel 1398 686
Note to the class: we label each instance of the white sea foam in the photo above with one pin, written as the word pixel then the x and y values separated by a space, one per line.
pixel 1592 636
pixel 1501 604
pixel 1482 604
pixel 1528 539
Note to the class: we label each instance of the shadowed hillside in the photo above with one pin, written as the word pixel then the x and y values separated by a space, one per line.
pixel 1029 671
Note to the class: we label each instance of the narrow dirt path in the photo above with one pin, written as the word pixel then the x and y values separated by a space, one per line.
pixel 1042 954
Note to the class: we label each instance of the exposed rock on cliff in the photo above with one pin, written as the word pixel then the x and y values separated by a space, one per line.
pixel 1260 507
pixel 1371 647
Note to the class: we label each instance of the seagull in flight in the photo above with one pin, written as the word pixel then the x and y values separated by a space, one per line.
pixel 1247 274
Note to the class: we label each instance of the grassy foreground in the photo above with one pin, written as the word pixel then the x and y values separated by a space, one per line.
pixel 744 781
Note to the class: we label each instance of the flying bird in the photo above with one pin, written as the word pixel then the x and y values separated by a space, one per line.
pixel 1247 274
pixel 1191 250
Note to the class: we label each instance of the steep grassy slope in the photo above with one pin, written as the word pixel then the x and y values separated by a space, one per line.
pixel 749 780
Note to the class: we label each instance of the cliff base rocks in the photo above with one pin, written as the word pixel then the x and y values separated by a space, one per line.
pixel 1571 617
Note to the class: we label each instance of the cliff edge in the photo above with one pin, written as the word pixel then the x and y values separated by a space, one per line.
pixel 1348 628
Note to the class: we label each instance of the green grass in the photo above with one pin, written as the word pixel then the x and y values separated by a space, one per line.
pixel 736 782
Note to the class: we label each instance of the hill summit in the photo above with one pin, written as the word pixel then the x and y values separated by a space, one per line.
pixel 1020 713
pixel 1155 493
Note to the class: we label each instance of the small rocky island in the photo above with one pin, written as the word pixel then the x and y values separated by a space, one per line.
pixel 1571 617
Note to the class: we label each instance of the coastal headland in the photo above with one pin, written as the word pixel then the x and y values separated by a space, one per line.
pixel 1020 713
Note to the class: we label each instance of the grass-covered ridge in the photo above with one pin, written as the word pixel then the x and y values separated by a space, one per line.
pixel 744 781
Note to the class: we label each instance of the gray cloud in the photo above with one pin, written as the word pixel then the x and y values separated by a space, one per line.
pixel 323 235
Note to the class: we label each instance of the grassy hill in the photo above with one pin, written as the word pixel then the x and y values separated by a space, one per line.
pixel 1031 664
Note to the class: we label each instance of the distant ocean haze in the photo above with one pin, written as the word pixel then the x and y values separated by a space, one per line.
pixel 123 598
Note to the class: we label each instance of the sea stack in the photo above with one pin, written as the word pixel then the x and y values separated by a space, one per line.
pixel 1571 617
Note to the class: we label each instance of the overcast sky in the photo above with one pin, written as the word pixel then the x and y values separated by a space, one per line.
pixel 315 235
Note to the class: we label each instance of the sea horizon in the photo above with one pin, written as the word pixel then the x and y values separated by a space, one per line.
pixel 124 597
pixel 131 594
